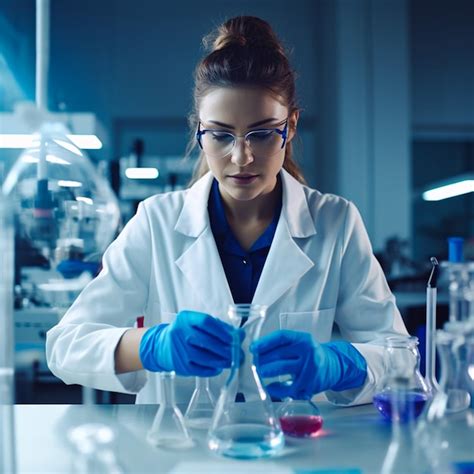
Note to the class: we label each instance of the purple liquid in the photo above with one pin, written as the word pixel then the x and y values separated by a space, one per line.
pixel 301 426
pixel 414 404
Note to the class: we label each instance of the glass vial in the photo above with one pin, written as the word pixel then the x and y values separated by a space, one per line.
pixel 402 361
pixel 169 429
pixel 244 425
pixel 201 406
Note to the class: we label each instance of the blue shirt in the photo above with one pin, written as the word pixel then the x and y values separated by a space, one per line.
pixel 242 268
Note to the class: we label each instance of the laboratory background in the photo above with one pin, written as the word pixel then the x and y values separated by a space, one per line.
pixel 386 90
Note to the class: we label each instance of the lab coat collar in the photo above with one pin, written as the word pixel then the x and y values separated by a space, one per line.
pixel 194 217
pixel 286 262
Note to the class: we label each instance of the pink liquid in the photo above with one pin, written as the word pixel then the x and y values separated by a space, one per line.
pixel 302 426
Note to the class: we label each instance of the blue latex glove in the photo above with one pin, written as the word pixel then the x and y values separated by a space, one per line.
pixel 313 367
pixel 193 344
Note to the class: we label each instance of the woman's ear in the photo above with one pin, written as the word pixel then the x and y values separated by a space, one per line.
pixel 292 123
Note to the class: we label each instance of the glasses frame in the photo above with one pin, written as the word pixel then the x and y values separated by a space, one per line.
pixel 283 133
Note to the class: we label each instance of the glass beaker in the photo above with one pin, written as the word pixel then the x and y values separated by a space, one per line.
pixel 300 418
pixel 402 360
pixel 446 429
pixel 169 429
pixel 201 406
pixel 250 429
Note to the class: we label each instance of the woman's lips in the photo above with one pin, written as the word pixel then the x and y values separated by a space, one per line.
pixel 243 179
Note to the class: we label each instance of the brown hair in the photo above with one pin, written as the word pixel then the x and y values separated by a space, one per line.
pixel 244 51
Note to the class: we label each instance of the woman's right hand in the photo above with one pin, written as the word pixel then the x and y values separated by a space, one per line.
pixel 193 344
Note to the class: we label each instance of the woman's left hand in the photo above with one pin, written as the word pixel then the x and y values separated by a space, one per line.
pixel 313 367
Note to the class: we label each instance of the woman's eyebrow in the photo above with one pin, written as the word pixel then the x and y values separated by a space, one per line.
pixel 256 124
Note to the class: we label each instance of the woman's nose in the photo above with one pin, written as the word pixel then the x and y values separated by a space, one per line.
pixel 241 154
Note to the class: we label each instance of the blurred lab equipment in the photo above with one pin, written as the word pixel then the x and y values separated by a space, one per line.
pixel 249 429
pixel 431 297
pixel 446 427
pixel 94 445
pixel 401 361
pixel 458 272
pixel 65 210
pixel 169 428
pixel 300 418
pixel 7 368
pixel 201 406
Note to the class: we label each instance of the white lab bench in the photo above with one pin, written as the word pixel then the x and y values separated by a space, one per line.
pixel 353 440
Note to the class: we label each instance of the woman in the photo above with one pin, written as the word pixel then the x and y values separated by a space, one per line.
pixel 248 230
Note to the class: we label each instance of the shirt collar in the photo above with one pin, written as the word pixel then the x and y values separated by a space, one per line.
pixel 223 233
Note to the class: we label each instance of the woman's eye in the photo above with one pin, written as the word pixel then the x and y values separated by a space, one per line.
pixel 222 137
pixel 260 135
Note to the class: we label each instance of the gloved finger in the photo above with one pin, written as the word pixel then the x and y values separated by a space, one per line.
pixel 210 344
pixel 285 390
pixel 206 358
pixel 276 368
pixel 276 340
pixel 214 327
pixel 200 371
pixel 279 390
pixel 292 353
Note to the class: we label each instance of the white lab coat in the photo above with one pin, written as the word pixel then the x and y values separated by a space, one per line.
pixel 320 270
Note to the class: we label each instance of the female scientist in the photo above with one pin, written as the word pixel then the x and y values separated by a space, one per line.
pixel 247 230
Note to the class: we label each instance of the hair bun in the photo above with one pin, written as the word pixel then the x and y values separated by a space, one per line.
pixel 243 32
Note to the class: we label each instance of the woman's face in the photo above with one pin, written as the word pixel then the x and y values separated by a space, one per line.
pixel 242 176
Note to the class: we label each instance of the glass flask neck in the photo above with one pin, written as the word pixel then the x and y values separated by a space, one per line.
pixel 167 388
pixel 401 355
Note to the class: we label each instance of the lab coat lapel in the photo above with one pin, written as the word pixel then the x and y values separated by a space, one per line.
pixel 202 267
pixel 286 263
pixel 200 262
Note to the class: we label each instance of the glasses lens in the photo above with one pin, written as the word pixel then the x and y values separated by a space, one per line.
pixel 264 143
pixel 217 144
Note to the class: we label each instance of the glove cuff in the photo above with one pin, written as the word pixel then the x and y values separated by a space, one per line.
pixel 148 348
pixel 352 366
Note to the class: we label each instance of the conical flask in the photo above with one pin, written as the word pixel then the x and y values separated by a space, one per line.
pixel 445 431
pixel 169 429
pixel 401 361
pixel 244 424
pixel 201 406
pixel 402 456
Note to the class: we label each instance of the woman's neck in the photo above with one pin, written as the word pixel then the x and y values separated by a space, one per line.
pixel 262 208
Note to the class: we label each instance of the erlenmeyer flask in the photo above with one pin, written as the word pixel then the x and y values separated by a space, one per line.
pixel 300 418
pixel 401 454
pixel 169 429
pixel 201 406
pixel 250 429
pixel 445 431
pixel 458 352
pixel 402 360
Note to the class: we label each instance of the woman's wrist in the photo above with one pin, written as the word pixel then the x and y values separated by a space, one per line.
pixel 127 352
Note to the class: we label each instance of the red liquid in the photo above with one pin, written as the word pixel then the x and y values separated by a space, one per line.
pixel 302 426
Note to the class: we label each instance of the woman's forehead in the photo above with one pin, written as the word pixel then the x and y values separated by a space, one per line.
pixel 241 106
